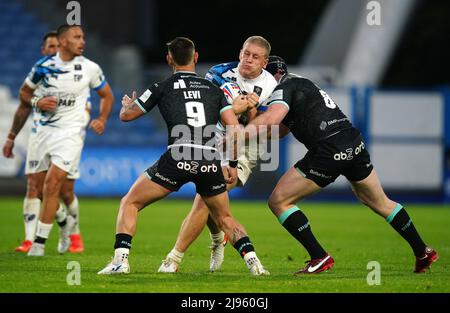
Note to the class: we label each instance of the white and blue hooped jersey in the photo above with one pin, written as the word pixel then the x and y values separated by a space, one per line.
pixel 225 75
pixel 70 82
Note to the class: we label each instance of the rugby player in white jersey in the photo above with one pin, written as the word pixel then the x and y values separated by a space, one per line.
pixel 246 86
pixel 59 85
pixel 32 201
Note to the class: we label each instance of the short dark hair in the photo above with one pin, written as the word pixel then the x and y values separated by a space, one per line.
pixel 182 50
pixel 49 34
pixel 64 28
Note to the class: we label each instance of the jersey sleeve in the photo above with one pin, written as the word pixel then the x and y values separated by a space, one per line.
pixel 282 94
pixel 149 98
pixel 216 73
pixel 214 76
pixel 97 79
pixel 37 74
pixel 224 105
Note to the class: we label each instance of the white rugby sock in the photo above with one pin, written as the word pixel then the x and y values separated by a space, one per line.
pixel 121 255
pixel 43 230
pixel 31 209
pixel 176 255
pixel 61 214
pixel 74 211
pixel 217 238
pixel 250 259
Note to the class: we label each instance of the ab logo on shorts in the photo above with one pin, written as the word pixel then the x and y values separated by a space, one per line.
pixel 193 166
pixel 348 154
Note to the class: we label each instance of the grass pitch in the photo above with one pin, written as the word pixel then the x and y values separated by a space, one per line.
pixel 350 232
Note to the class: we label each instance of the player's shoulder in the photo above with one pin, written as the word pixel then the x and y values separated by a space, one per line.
pixel 224 67
pixel 268 79
pixel 292 79
pixel 46 60
pixel 216 72
pixel 86 62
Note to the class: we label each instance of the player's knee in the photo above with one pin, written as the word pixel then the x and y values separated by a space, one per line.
pixel 274 202
pixel 128 202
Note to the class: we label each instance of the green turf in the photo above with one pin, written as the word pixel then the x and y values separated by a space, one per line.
pixel 350 232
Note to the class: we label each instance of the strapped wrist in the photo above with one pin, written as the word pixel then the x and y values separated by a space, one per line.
pixel 233 163
pixel 11 136
pixel 34 100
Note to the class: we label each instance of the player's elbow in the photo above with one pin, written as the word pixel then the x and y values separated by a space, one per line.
pixel 25 94
pixel 125 117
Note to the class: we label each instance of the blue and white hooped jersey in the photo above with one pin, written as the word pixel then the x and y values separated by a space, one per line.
pixel 225 73
pixel 226 76
pixel 70 82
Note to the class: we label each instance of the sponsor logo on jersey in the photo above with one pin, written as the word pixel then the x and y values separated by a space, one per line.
pixel 77 67
pixel 144 97
pixel 180 84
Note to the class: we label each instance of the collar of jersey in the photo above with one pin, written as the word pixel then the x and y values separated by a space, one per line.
pixel 251 80
pixel 58 59
pixel 185 72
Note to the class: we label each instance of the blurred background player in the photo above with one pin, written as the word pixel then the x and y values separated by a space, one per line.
pixel 245 85
pixel 335 148
pixel 59 85
pixel 32 201
pixel 166 175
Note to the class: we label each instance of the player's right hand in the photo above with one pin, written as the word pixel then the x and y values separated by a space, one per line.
pixel 47 103
pixel 127 100
pixel 230 174
pixel 252 99
pixel 8 148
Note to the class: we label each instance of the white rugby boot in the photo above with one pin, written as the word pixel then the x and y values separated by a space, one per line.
pixel 37 249
pixel 217 252
pixel 64 234
pixel 119 264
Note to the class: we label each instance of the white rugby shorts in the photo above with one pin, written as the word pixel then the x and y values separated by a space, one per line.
pixel 63 149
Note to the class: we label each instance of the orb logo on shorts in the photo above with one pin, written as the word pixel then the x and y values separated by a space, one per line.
pixel 348 154
pixel 193 167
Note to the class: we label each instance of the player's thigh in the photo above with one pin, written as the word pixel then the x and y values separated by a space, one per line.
pixel 54 179
pixel 143 192
pixel 291 188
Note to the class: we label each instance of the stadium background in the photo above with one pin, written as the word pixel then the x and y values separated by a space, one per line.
pixel 392 80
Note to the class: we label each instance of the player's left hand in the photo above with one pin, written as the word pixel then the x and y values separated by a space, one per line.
pixel 98 126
